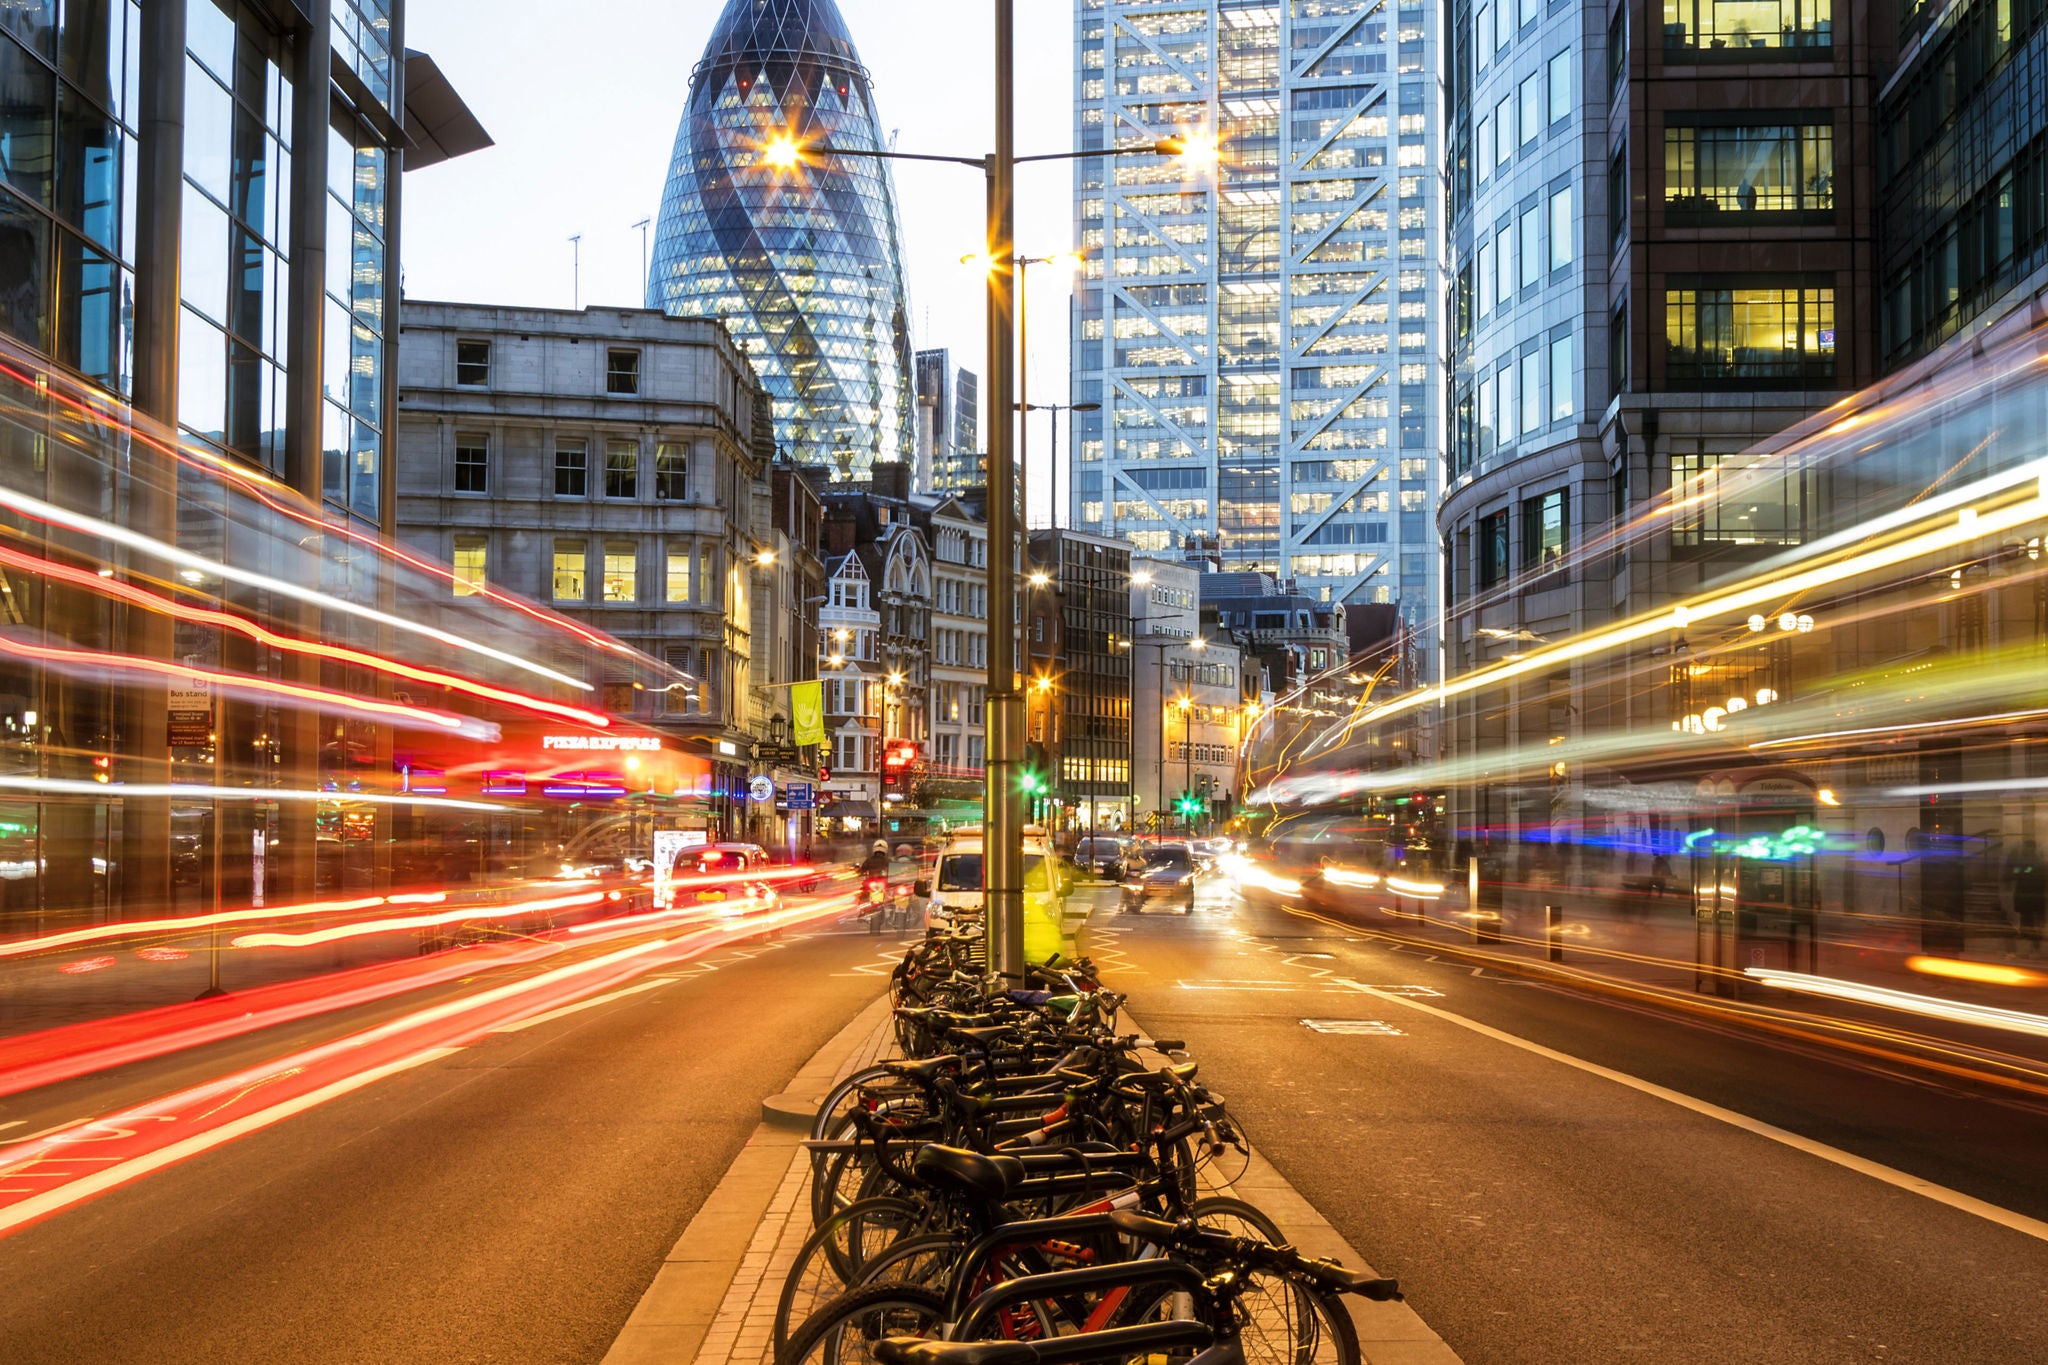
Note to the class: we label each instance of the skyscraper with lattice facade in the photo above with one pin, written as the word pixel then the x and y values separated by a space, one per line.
pixel 804 266
pixel 1265 339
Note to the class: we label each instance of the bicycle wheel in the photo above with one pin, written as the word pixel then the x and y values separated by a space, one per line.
pixel 1286 1322
pixel 834 1256
pixel 1239 1219
pixel 925 1260
pixel 844 1331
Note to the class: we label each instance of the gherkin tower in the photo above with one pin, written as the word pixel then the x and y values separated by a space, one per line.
pixel 804 266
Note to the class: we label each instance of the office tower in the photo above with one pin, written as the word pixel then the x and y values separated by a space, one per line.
pixel 802 264
pixel 1264 336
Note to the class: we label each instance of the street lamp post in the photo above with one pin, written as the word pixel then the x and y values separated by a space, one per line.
pixel 1056 409
pixel 1004 862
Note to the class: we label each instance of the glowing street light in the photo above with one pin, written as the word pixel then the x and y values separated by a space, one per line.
pixel 783 153
pixel 1197 151
pixel 1040 579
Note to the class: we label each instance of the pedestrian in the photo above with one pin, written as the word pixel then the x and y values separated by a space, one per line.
pixel 2029 895
pixel 1746 196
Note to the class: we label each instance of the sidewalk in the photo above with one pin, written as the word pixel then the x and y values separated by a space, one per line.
pixel 713 1301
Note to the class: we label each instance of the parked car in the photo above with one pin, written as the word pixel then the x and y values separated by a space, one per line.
pixel 1169 874
pixel 1101 857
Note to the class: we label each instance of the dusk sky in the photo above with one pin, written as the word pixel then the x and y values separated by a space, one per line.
pixel 584 114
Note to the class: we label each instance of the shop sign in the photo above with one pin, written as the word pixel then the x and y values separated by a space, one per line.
pixel 761 790
pixel 602 744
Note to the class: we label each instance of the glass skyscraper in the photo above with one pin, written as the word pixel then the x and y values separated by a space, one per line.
pixel 805 267
pixel 1265 341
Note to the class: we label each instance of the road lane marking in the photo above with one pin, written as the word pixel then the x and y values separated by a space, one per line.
pixel 1360 1028
pixel 85 1187
pixel 581 1005
pixel 1911 1184
pixel 12 1123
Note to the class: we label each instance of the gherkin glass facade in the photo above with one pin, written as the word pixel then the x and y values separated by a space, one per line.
pixel 804 266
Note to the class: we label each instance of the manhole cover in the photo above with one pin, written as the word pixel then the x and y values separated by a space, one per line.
pixel 1373 1027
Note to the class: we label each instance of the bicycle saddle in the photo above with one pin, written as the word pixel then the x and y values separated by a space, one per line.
pixel 925 1072
pixel 990 1177
pixel 913 1351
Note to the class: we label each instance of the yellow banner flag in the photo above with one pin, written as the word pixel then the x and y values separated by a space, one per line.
pixel 807 703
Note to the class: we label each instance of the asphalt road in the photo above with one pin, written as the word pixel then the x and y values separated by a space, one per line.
pixel 1536 1212
pixel 510 1202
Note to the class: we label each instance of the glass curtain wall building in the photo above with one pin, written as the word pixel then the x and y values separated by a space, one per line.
pixel 804 267
pixel 1266 340
pixel 199 207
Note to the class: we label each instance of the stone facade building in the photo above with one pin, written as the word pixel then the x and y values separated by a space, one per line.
pixel 615 464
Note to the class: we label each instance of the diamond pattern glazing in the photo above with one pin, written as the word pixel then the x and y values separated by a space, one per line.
pixel 804 266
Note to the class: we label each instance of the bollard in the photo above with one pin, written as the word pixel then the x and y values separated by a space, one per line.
pixel 1553 919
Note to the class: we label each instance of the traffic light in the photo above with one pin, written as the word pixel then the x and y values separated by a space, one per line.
pixel 1035 781
pixel 1191 806
pixel 897 761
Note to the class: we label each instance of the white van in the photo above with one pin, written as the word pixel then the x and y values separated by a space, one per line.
pixel 956 890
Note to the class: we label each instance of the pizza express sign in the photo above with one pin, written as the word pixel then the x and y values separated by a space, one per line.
pixel 602 744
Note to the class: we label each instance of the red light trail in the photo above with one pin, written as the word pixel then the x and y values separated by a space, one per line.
pixel 56 1171
pixel 124 592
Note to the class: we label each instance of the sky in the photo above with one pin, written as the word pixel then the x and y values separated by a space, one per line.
pixel 584 114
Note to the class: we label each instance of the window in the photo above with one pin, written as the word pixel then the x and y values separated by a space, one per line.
pixel 571 571
pixel 1531 247
pixel 472 463
pixel 1561 228
pixel 1482 152
pixel 572 469
pixel 473 364
pixel 472 563
pixel 1486 292
pixel 1618 349
pixel 1485 417
pixel 1768 332
pixel 1504 378
pixel 1543 530
pixel 678 584
pixel 1504 129
pixel 1493 548
pixel 1483 25
pixel 1774 168
pixel 1532 391
pixel 1503 24
pixel 672 473
pixel 622 371
pixel 1758 507
pixel 1530 10
pixel 621 470
pixel 1561 87
pixel 1532 107
pixel 1617 197
pixel 621 560
pixel 1505 285
pixel 1740 24
pixel 1561 377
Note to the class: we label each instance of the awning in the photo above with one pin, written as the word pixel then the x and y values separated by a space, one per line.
pixel 438 122
pixel 839 809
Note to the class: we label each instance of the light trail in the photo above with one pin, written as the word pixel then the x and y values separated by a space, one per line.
pixel 207 616
pixel 64 786
pixel 1945 534
pixel 1983 973
pixel 75 1164
pixel 100 933
pixel 81 662
pixel 467 915
pixel 1933 1007
pixel 51 514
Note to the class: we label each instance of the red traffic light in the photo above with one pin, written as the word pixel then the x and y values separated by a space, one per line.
pixel 900 756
